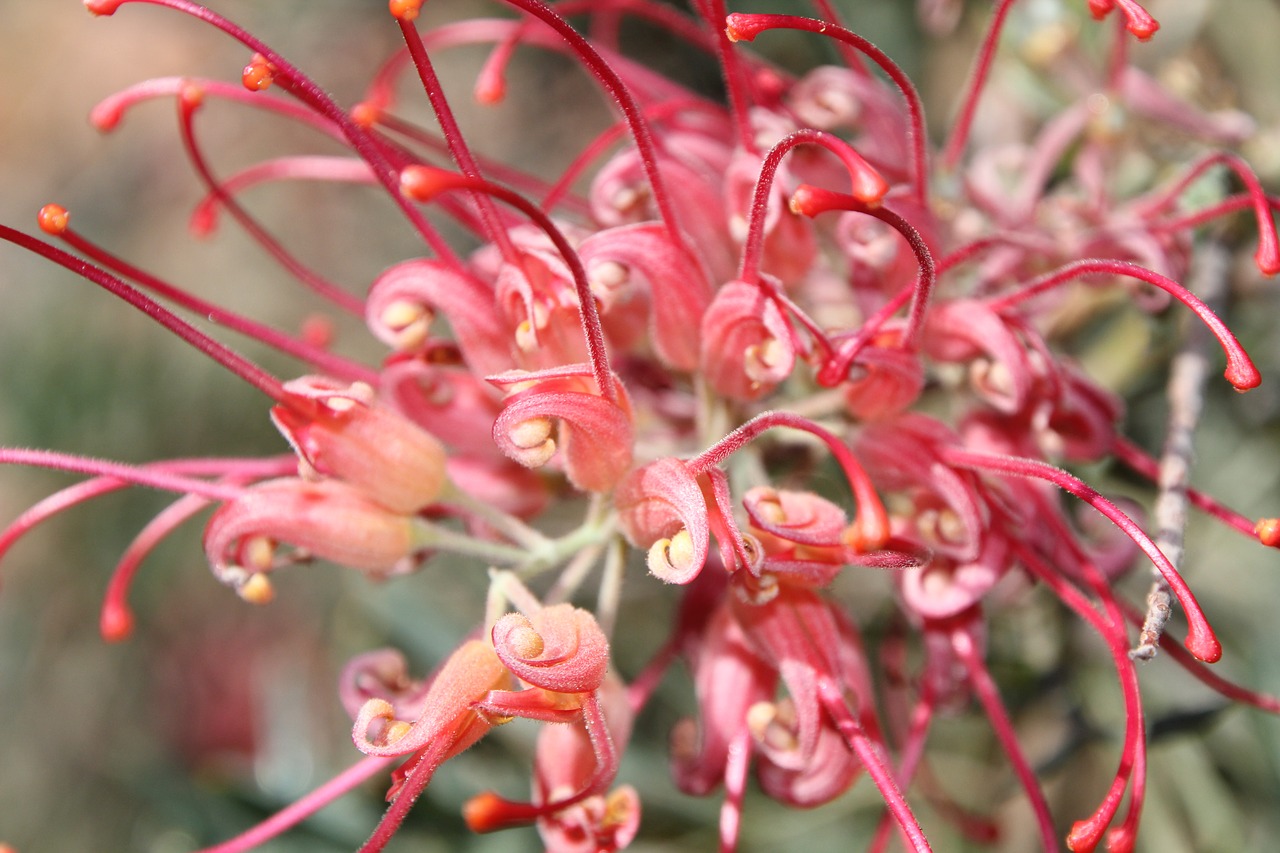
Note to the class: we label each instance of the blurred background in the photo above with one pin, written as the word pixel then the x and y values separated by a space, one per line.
pixel 216 713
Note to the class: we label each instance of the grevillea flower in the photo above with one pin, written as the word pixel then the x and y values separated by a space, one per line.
pixel 821 379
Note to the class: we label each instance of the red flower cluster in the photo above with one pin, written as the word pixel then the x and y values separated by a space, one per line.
pixel 707 284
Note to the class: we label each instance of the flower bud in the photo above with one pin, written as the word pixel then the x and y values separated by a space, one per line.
pixel 325 519
pixel 339 432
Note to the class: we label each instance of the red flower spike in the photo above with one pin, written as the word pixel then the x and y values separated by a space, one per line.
pixel 661 508
pixel 339 431
pixel 328 519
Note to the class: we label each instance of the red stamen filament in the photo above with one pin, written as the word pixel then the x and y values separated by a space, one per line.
pixel 1201 640
pixel 867 186
pixel 298 811
pixel 989 696
pixel 236 363
pixel 713 12
pixel 453 137
pixel 977 80
pixel 423 183
pixel 188 101
pixel 1240 371
pixel 810 201
pixel 870 754
pixel 326 361
pixel 746 27
pixel 871 524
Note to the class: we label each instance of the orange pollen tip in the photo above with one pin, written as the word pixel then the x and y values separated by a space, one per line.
pixel 1268 260
pixel 53 219
pixel 258 74
pixel 423 183
pixel 1268 532
pixel 405 10
pixel 116 624
pixel 102 7
pixel 487 812
pixel 365 115
pixel 1084 836
pixel 739 27
pixel 192 95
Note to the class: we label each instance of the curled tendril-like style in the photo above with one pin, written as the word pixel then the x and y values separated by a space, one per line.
pixel 559 648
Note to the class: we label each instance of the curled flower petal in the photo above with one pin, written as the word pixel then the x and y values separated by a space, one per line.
pixel 661 508
pixel 747 348
pixel 403 300
pixel 559 648
pixel 591 435
pixel 678 291
pixel 469 674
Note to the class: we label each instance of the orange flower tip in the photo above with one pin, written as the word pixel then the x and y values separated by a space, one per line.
pixel 192 95
pixel 1099 9
pixel 490 90
pixel 1268 259
pixel 1143 26
pixel 365 114
pixel 1120 840
pixel 1243 377
pixel 1084 835
pixel 423 183
pixel 319 331
pixel 487 812
pixel 116 624
pixel 102 7
pixel 869 187
pixel 203 222
pixel 1202 643
pixel 53 219
pixel 105 117
pixel 1268 532
pixel 740 27
pixel 258 74
pixel 257 590
pixel 803 201
pixel 404 10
